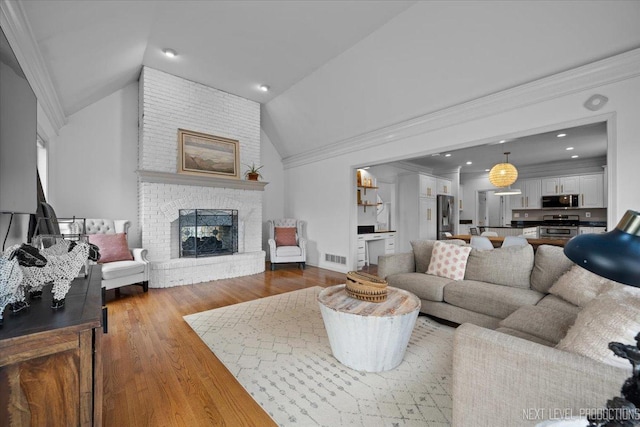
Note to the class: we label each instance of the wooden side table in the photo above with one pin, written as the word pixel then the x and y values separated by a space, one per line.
pixel 50 360
pixel 366 336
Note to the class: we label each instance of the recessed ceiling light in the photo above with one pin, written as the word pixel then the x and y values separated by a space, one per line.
pixel 170 53
pixel 569 148
pixel 264 88
pixel 366 167
pixel 436 154
pixel 487 170
pixel 502 141
pixel 561 135
pixel 448 155
pixel 575 156
pixel 469 163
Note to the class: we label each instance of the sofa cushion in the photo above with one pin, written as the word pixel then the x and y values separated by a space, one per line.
pixel 556 303
pixel 487 298
pixel 117 269
pixel 525 336
pixel 611 317
pixel 579 286
pixel 510 266
pixel 424 286
pixel 550 263
pixel 448 260
pixel 422 252
pixel 288 251
pixel 548 324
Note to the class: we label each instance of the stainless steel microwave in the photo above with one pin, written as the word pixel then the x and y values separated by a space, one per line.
pixel 561 201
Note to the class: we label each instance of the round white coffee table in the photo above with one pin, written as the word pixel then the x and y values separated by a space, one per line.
pixel 367 336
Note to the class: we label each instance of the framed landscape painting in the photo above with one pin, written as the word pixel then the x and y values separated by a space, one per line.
pixel 202 154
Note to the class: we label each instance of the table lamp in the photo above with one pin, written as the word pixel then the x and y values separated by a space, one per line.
pixel 615 255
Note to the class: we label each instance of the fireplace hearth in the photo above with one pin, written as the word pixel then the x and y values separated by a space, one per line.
pixel 208 232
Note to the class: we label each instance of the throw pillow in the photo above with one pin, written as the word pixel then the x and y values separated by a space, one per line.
pixel 448 260
pixel 422 251
pixel 612 316
pixel 580 286
pixel 509 266
pixel 286 236
pixel 113 247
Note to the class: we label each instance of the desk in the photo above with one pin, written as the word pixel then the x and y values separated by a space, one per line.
pixel 497 241
pixel 387 246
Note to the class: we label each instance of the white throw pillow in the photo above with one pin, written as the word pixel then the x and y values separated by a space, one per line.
pixel 448 260
pixel 580 286
pixel 612 316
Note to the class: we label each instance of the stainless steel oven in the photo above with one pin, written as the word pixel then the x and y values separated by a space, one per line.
pixel 559 226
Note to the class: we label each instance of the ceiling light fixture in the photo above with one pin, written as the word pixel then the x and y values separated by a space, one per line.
pixel 448 155
pixel 487 170
pixel 469 163
pixel 561 135
pixel 508 192
pixel 170 52
pixel 569 148
pixel 264 88
pixel 503 174
pixel 502 141
pixel 575 156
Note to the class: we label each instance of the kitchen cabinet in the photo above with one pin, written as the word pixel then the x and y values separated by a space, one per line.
pixel 427 186
pixel 592 191
pixel 589 230
pixel 560 185
pixel 427 225
pixel 531 197
pixel 444 186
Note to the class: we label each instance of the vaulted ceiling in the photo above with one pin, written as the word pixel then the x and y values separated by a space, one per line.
pixel 337 69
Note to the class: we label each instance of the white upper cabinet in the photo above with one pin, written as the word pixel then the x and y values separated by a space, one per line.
pixel 427 186
pixel 560 185
pixel 592 191
pixel 531 197
pixel 444 186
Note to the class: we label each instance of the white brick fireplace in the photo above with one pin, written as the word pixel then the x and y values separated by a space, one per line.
pixel 169 103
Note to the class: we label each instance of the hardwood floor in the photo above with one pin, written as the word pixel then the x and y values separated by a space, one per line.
pixel 157 371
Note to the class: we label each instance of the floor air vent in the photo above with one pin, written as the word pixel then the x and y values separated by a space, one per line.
pixel 335 258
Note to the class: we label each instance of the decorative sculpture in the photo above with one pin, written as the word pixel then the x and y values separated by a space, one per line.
pixel 623 411
pixel 10 281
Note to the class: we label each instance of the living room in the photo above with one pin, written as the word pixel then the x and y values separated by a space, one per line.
pixel 411 79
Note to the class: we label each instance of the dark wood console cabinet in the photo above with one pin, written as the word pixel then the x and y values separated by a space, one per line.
pixel 50 360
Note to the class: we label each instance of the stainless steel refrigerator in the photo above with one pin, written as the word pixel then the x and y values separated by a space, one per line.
pixel 445 215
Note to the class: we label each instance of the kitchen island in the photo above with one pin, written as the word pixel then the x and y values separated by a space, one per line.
pixel 497 241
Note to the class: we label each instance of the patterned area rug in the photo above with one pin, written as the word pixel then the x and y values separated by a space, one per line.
pixel 278 349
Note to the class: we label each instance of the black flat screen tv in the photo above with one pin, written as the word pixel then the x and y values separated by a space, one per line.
pixel 18 135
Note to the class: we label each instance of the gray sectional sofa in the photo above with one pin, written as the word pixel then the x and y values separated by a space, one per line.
pixel 507 357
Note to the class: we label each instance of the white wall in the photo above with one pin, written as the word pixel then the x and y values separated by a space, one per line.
pixel 92 162
pixel 329 199
pixel 274 193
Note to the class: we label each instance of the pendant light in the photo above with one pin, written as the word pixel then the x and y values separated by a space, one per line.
pixel 503 174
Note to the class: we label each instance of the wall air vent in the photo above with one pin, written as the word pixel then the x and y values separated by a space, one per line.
pixel 336 259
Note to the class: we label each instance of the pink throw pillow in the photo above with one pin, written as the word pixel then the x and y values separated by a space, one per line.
pixel 113 247
pixel 449 260
pixel 286 236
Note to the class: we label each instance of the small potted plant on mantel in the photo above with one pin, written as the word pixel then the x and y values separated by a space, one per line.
pixel 252 173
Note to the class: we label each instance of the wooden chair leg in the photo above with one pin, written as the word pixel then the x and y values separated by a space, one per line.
pixel 273 267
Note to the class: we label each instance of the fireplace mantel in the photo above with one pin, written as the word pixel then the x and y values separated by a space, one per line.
pixel 196 180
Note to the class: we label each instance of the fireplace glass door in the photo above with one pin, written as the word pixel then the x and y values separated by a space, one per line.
pixel 208 232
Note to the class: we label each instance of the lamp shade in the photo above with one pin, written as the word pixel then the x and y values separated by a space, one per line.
pixel 614 255
pixel 503 174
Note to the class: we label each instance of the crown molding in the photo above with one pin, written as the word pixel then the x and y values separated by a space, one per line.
pixel 610 70
pixel 16 27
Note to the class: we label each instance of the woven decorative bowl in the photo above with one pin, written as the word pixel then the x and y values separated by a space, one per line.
pixel 366 287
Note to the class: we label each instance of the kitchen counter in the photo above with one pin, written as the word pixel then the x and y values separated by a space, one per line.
pixel 497 241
